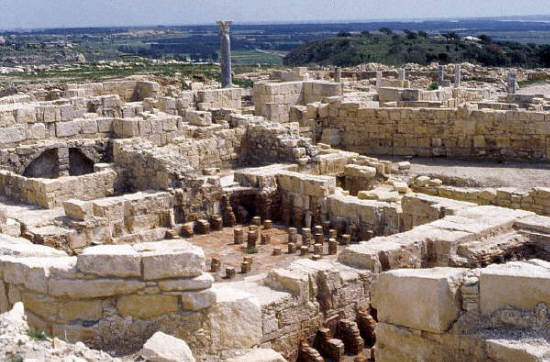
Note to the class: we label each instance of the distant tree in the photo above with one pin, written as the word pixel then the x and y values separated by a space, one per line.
pixel 485 39
pixel 454 36
pixel 443 58
pixel 422 34
pixel 396 38
pixel 365 33
pixel 344 34
pixel 411 35
pixel 386 30
pixel 544 55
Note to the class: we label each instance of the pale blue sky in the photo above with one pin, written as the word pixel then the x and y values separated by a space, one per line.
pixel 65 13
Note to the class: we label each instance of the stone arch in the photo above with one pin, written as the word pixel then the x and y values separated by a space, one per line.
pixel 46 165
pixel 79 163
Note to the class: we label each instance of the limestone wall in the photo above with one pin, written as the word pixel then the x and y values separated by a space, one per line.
pixel 438 132
pixel 129 89
pixel 49 193
pixel 274 100
pixel 302 197
pixel 220 98
pixel 536 199
pixel 69 118
pixel 123 219
pixel 455 314
pixel 92 297
pixel 18 159
pixel 363 218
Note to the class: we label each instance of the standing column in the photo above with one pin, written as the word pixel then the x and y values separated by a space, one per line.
pixel 512 83
pixel 402 75
pixel 225 50
pixel 458 75
pixel 441 74
pixel 378 79
pixel 338 75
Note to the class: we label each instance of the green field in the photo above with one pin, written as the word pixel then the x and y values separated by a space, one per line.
pixel 98 73
pixel 253 57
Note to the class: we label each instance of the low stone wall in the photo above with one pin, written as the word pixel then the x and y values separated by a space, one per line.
pixel 220 98
pixel 536 199
pixel 31 122
pixel 92 297
pixel 128 89
pixel 274 100
pixel 363 218
pixel 123 219
pixel 18 159
pixel 50 193
pixel 437 132
pixel 302 197
pixel 474 236
pixel 455 314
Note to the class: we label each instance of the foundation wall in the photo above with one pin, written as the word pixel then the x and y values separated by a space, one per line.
pixel 50 193
pixel 91 297
pixel 438 132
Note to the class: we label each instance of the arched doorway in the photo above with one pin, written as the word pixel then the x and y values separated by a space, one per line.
pixel 79 163
pixel 44 166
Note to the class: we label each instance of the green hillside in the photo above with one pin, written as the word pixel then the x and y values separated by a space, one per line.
pixel 410 47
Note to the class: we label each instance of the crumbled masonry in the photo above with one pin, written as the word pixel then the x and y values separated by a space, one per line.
pixel 287 222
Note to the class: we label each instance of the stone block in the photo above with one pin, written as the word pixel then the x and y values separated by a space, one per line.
pixel 360 171
pixel 258 354
pixel 171 259
pixel 424 299
pixel 165 348
pixel 78 209
pixel 519 285
pixel 236 318
pixel 110 261
pixel 147 306
pixel 13 134
pixel 86 310
pixel 203 281
pixel 199 118
pixel 92 288
pixel 68 129
pixel 198 300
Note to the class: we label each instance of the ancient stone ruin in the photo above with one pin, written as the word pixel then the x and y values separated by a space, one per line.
pixel 282 222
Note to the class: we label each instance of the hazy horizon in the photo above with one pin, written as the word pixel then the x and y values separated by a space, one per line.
pixel 39 14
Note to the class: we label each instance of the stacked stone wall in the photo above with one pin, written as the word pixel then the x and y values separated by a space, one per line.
pixel 50 193
pixel 438 132
pixel 92 297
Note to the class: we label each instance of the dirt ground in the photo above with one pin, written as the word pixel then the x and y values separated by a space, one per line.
pixel 537 88
pixel 522 175
pixel 219 244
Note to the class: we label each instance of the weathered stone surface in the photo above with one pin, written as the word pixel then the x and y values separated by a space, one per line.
pixel 88 310
pixel 518 285
pixel 147 306
pixel 235 320
pixel 110 261
pixel 424 299
pixel 171 259
pixel 203 281
pixel 198 300
pixel 162 347
pixel 258 354
pixel 93 288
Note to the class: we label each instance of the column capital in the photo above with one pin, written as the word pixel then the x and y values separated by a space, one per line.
pixel 225 25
